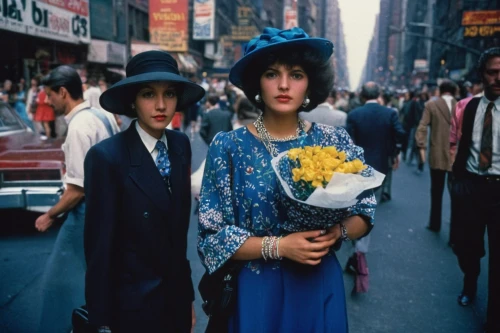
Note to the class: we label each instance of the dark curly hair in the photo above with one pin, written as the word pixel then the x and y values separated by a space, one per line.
pixel 319 72
pixel 483 59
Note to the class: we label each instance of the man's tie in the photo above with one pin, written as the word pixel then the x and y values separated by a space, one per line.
pixel 487 139
pixel 162 162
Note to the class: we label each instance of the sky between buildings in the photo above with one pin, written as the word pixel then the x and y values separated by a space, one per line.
pixel 358 17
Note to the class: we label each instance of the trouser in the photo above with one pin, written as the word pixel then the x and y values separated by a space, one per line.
pixel 477 209
pixel 437 188
pixel 63 279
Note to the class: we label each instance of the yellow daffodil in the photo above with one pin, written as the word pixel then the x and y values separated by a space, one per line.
pixel 317 164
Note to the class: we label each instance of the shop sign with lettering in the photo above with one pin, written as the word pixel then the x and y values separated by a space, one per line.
pixel 64 20
pixel 168 24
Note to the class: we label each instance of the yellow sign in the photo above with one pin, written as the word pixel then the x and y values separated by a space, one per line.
pixel 481 31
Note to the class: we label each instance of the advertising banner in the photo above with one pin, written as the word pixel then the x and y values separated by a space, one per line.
pixel 63 20
pixel 481 17
pixel 204 20
pixel 481 23
pixel 168 24
pixel 246 29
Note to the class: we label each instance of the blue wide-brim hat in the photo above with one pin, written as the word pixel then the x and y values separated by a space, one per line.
pixel 273 39
pixel 150 66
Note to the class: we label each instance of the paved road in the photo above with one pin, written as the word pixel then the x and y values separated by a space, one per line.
pixel 414 278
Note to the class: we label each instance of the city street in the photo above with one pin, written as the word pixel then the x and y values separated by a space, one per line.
pixel 414 277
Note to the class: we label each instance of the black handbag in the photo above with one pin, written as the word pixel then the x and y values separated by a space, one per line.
pixel 80 321
pixel 218 292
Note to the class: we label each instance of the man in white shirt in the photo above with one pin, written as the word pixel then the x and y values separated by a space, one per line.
pixel 324 113
pixel 63 281
pixel 437 116
pixel 476 190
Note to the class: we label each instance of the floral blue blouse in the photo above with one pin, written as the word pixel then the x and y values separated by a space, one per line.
pixel 240 196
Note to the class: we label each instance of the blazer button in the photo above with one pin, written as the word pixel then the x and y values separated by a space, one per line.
pixel 146 215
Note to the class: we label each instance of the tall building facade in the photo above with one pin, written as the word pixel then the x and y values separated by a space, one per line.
pixel 420 42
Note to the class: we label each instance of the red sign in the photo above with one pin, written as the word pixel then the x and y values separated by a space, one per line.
pixel 168 24
pixel 76 6
pixel 481 17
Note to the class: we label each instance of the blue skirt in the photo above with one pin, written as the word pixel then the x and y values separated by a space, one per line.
pixel 291 298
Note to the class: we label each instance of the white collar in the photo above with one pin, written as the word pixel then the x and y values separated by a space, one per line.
pixel 326 104
pixel 487 101
pixel 148 140
pixel 75 110
pixel 371 101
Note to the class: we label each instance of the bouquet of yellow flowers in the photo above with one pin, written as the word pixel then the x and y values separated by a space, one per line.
pixel 319 184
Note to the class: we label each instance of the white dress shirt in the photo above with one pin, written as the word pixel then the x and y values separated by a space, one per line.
pixel 149 141
pixel 477 132
pixel 448 99
pixel 84 131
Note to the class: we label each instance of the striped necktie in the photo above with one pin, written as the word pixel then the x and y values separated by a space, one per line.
pixel 487 139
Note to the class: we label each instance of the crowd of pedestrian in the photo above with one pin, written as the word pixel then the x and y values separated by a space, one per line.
pixel 128 195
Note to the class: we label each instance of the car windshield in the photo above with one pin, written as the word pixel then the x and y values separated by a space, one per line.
pixel 8 121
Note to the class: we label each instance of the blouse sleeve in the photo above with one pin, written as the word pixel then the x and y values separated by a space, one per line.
pixel 366 201
pixel 219 237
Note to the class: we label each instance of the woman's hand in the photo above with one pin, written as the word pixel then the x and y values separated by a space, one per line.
pixel 310 246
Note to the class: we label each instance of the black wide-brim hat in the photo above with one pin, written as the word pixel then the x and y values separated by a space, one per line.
pixel 273 39
pixel 150 66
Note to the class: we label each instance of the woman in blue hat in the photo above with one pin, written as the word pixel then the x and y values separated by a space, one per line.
pixel 289 282
pixel 138 205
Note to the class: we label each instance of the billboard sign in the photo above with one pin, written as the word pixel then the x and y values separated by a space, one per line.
pixel 168 24
pixel 481 23
pixel 204 20
pixel 63 20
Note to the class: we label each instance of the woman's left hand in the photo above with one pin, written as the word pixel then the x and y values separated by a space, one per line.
pixel 332 233
pixel 193 318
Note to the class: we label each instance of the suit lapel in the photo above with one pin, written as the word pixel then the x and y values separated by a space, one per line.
pixel 443 108
pixel 144 172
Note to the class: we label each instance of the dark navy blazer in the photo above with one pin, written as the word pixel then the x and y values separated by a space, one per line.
pixel 377 130
pixel 138 278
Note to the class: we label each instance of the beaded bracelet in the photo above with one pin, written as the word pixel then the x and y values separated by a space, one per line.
pixel 270 248
pixel 263 251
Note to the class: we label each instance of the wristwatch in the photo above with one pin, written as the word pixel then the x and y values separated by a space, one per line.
pixel 343 233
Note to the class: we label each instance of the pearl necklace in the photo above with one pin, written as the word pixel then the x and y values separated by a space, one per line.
pixel 267 139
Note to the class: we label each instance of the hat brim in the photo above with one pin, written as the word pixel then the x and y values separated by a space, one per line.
pixel 113 99
pixel 323 46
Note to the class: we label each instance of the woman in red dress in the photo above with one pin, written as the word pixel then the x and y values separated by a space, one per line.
pixel 44 113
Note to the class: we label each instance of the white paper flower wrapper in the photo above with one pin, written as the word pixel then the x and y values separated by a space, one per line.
pixel 324 207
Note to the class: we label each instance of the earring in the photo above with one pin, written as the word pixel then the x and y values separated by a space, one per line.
pixel 306 102
pixel 257 98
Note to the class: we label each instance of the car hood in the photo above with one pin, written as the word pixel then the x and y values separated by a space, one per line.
pixel 25 149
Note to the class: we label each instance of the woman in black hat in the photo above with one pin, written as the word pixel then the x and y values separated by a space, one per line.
pixel 138 195
pixel 290 282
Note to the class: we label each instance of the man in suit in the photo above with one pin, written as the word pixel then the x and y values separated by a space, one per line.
pixel 437 116
pixel 324 113
pixel 215 120
pixel 378 131
pixel 476 189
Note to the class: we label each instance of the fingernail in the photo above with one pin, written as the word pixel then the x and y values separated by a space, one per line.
pixel 322 232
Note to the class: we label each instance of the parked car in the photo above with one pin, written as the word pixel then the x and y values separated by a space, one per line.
pixel 31 170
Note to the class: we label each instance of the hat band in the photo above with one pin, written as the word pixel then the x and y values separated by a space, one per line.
pixel 153 65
